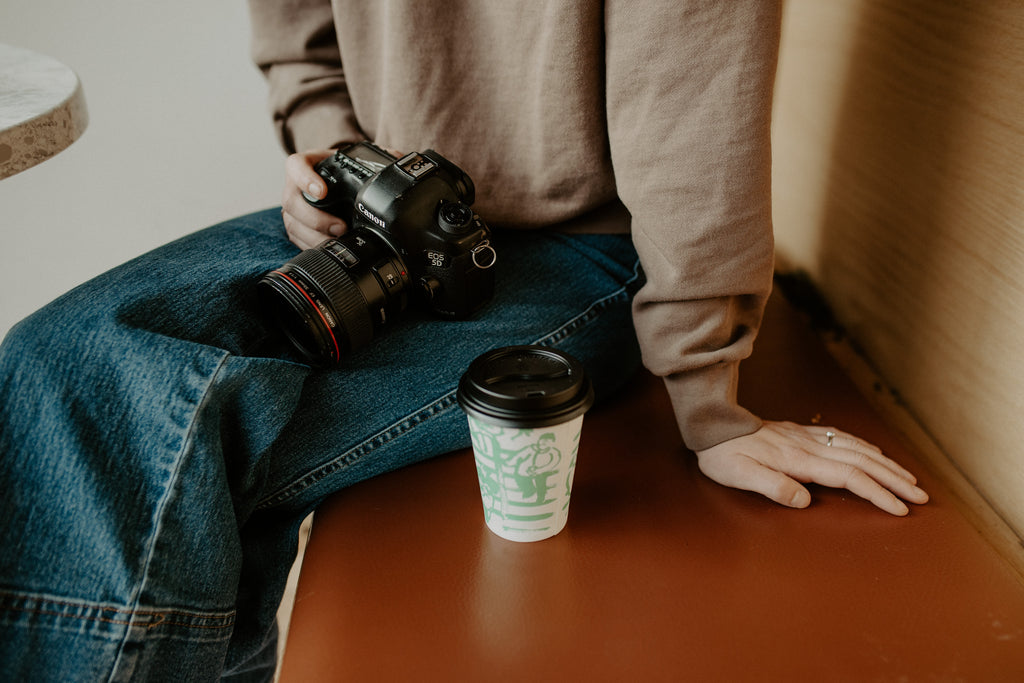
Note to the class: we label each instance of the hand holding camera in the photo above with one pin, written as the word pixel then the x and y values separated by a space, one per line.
pixel 411 233
pixel 307 226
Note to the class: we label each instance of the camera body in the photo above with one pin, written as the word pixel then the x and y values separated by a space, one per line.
pixel 419 206
pixel 410 230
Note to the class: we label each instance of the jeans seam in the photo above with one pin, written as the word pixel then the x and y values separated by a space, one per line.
pixel 357 452
pixel 435 407
pixel 118 616
pixel 135 599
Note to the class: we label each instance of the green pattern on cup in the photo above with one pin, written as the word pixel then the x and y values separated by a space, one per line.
pixel 525 476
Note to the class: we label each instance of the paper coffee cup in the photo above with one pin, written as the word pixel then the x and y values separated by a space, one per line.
pixel 525 406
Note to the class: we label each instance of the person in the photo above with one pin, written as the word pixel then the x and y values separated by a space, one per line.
pixel 161 444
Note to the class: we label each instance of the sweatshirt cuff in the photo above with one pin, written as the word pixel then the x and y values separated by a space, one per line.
pixel 704 401
pixel 318 124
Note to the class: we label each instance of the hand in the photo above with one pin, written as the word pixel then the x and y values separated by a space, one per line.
pixel 307 226
pixel 775 460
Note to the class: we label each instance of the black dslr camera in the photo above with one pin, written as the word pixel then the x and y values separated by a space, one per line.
pixel 411 229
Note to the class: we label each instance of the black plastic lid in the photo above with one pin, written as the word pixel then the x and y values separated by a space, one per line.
pixel 525 386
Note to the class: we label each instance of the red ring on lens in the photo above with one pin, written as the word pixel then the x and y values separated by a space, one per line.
pixel 337 351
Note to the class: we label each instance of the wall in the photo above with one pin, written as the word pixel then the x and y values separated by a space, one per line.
pixel 178 139
pixel 899 183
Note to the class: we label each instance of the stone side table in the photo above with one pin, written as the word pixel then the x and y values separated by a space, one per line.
pixel 42 109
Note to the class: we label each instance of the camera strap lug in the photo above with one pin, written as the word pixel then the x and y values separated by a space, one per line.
pixel 484 246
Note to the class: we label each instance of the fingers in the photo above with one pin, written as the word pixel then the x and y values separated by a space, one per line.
pixel 307 236
pixel 857 481
pixel 848 441
pixel 746 473
pixel 306 226
pixel 857 466
pixel 852 462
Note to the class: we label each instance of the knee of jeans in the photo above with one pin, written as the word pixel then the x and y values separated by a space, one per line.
pixel 62 331
pixel 27 340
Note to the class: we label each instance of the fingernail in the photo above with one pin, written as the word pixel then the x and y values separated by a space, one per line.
pixel 336 229
pixel 801 499
pixel 314 190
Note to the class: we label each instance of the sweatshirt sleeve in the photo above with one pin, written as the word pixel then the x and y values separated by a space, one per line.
pixel 295 45
pixel 689 86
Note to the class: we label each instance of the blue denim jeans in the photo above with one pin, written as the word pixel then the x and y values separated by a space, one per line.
pixel 160 443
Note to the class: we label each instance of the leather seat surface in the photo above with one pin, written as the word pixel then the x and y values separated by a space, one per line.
pixel 661 574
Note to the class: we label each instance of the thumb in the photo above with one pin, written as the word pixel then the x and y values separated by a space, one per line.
pixel 300 171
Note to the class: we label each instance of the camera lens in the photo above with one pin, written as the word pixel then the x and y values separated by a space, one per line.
pixel 330 300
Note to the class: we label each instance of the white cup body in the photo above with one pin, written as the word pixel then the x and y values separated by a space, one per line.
pixel 525 476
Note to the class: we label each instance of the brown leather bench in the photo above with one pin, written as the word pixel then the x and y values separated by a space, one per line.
pixel 661 574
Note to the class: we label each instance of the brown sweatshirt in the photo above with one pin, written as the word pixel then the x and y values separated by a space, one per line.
pixel 569 109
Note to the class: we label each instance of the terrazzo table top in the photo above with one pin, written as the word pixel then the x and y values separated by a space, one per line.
pixel 42 108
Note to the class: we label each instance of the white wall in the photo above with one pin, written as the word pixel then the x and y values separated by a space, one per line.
pixel 178 139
